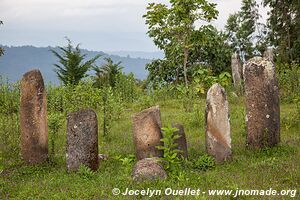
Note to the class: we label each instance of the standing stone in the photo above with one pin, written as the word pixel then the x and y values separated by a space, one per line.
pixel 181 142
pixel 33 118
pixel 269 54
pixel 147 133
pixel 82 140
pixel 148 169
pixel 236 68
pixel 262 103
pixel 218 140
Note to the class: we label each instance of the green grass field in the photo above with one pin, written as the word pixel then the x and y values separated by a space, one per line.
pixel 277 168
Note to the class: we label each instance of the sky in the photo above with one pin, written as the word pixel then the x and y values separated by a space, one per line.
pixel 104 25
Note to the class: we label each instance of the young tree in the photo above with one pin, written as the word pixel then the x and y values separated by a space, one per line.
pixel 72 68
pixel 171 27
pixel 244 30
pixel 107 73
pixel 284 25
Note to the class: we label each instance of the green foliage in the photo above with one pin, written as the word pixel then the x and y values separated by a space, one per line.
pixel 85 172
pixel 204 79
pixel 9 93
pixel 112 108
pixel 204 163
pixel 72 68
pixel 211 49
pixel 55 122
pixel 107 74
pixel 127 161
pixel 244 31
pixel 171 28
pixel 284 26
pixel 289 81
pixel 171 159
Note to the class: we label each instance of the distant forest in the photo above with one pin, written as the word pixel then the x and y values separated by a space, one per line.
pixel 17 60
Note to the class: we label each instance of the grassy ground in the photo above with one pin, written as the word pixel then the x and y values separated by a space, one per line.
pixel 277 168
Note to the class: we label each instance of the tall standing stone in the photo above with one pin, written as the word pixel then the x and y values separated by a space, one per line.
pixel 218 139
pixel 33 118
pixel 181 142
pixel 147 133
pixel 269 54
pixel 82 140
pixel 236 68
pixel 262 103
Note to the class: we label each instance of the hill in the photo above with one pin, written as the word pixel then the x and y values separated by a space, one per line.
pixel 18 60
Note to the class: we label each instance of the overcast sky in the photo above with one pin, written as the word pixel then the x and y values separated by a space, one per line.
pixel 107 25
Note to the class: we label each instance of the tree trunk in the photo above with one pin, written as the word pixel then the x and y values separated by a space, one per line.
pixel 186 53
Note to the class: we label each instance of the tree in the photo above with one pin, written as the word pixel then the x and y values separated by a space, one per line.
pixel 284 25
pixel 171 27
pixel 72 68
pixel 209 50
pixel 244 30
pixel 107 73
pixel 1 50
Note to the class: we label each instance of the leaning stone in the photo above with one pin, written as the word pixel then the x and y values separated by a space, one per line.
pixel 218 139
pixel 33 118
pixel 269 54
pixel 147 133
pixel 82 140
pixel 181 142
pixel 262 103
pixel 236 68
pixel 148 169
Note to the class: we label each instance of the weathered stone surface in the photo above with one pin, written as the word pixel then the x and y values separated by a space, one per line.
pixel 82 140
pixel 33 118
pixel 236 68
pixel 262 103
pixel 148 169
pixel 147 133
pixel 181 142
pixel 218 139
pixel 269 54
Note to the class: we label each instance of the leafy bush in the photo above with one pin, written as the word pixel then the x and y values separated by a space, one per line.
pixel 204 163
pixel 85 172
pixel 170 159
pixel 9 97
pixel 289 81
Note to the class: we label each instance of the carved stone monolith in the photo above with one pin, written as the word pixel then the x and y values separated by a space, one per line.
pixel 82 140
pixel 269 54
pixel 33 118
pixel 147 133
pixel 181 141
pixel 218 138
pixel 262 103
pixel 236 68
pixel 148 169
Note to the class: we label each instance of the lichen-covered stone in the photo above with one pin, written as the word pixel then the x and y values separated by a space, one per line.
pixel 181 142
pixel 236 68
pixel 218 139
pixel 82 140
pixel 262 103
pixel 33 118
pixel 147 133
pixel 148 169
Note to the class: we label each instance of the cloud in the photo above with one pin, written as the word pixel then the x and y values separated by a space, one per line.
pixel 40 22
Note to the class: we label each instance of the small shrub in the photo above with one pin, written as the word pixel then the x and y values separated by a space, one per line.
pixel 204 163
pixel 170 159
pixel 85 172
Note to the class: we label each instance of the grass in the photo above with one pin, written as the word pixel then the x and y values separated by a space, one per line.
pixel 277 168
